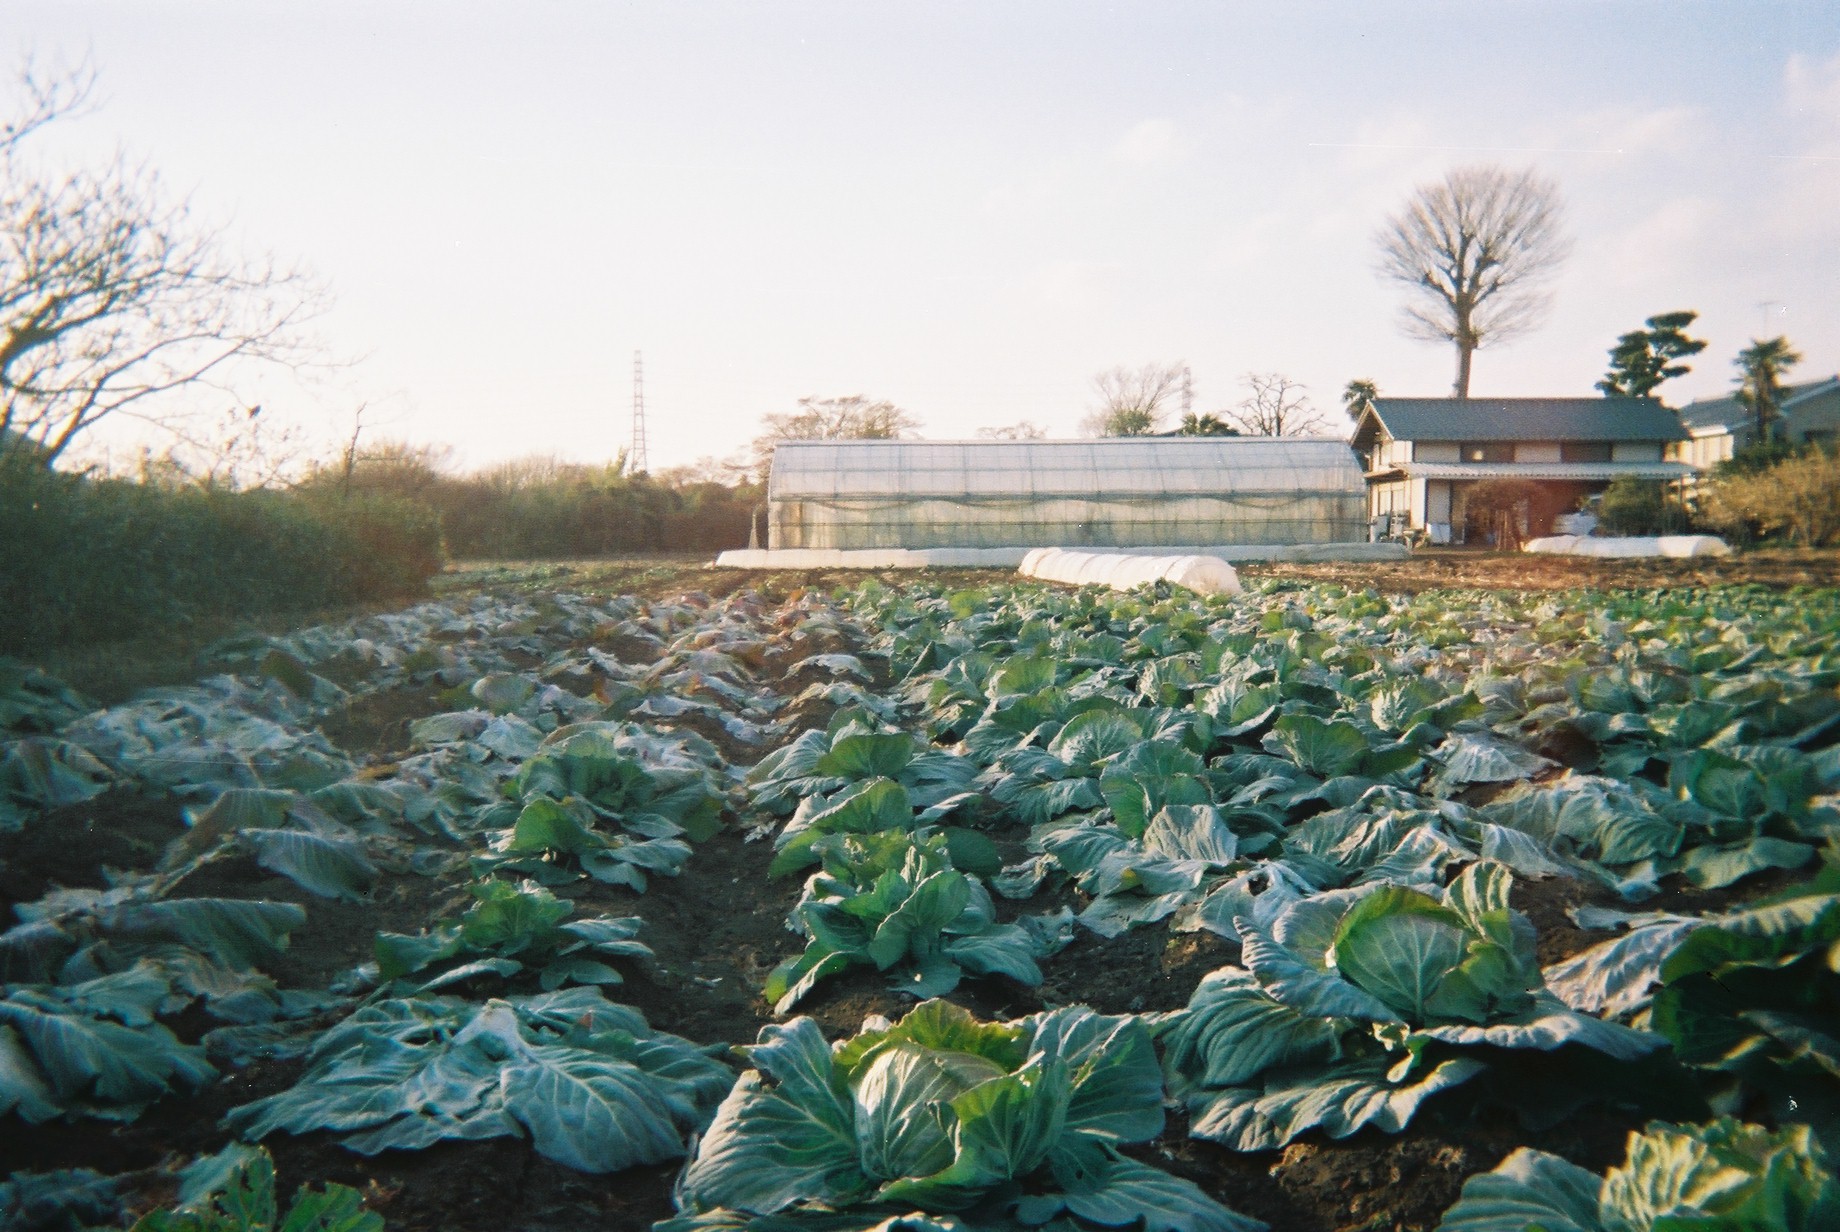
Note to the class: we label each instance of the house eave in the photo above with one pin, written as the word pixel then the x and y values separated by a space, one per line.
pixel 1582 471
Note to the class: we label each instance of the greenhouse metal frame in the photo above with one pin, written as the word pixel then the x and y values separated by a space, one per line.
pixel 1124 492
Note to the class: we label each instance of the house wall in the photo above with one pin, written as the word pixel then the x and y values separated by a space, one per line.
pixel 1436 451
pixel 1703 452
pixel 1438 509
pixel 1635 451
pixel 1392 497
pixel 1537 451
pixel 1816 418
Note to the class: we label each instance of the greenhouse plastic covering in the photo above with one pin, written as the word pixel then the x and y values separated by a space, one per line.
pixel 1629 545
pixel 1111 493
pixel 1205 575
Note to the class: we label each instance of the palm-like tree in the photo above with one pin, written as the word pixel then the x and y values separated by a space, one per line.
pixel 1761 367
pixel 1358 397
pixel 1209 424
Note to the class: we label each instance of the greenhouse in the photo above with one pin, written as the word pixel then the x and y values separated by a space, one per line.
pixel 1124 492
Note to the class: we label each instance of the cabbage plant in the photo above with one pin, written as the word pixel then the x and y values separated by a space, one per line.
pixel 91 1049
pixel 1006 1125
pixel 850 751
pixel 587 764
pixel 508 929
pixel 555 842
pixel 234 1191
pixel 1749 997
pixel 1674 1178
pixel 894 901
pixel 1357 1005
pixel 591 1083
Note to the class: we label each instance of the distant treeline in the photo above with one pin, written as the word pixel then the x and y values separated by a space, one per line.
pixel 86 559
pixel 543 508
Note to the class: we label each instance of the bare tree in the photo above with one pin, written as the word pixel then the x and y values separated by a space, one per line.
pixel 1022 430
pixel 1476 249
pixel 735 470
pixel 1276 406
pixel 238 449
pixel 113 299
pixel 1132 400
pixel 825 419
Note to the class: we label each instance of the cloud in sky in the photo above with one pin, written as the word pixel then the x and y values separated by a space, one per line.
pixel 1152 141
pixel 970 209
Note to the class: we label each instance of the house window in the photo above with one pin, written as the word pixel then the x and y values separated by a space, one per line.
pixel 1584 451
pixel 1489 451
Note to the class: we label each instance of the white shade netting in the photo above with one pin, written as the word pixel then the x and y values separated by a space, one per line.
pixel 1629 546
pixel 1205 575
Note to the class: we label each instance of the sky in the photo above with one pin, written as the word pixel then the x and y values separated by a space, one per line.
pixel 968 209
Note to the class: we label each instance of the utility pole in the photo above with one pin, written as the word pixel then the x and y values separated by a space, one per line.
pixel 637 464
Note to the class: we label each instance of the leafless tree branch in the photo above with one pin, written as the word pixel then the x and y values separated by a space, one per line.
pixel 1132 401
pixel 1475 250
pixel 1275 405
pixel 823 419
pixel 111 298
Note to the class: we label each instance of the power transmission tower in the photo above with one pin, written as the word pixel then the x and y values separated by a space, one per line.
pixel 636 464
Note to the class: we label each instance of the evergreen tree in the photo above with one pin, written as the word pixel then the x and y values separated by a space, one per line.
pixel 1209 424
pixel 1643 358
pixel 1761 367
pixel 1358 397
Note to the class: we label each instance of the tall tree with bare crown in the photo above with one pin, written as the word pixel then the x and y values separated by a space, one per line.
pixel 1476 249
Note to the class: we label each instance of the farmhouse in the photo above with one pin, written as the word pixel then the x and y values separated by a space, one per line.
pixel 1423 456
pixel 991 501
pixel 1719 427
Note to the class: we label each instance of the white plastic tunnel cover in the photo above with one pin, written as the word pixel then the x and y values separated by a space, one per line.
pixel 1205 575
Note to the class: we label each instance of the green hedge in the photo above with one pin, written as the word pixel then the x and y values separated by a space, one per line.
pixel 565 520
pixel 88 560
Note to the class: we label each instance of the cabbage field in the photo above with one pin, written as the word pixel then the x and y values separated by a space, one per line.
pixel 939 905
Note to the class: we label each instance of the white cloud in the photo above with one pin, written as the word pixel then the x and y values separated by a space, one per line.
pixel 1064 285
pixel 1151 142
pixel 1652 247
pixel 1621 131
pixel 1811 93
pixel 1807 171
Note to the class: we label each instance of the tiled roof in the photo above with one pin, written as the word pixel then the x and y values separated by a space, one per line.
pixel 1728 412
pixel 1528 419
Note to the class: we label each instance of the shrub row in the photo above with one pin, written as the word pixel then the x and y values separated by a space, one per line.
pixel 86 560
pixel 574 518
